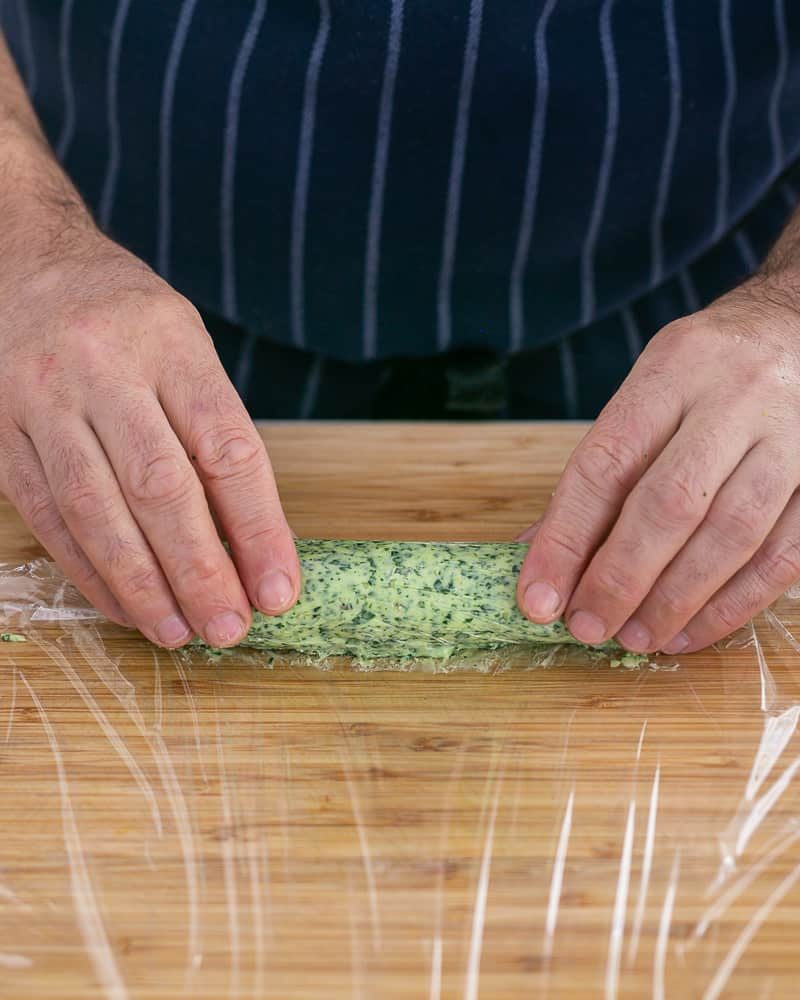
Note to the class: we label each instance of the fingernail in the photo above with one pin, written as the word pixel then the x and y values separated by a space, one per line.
pixel 634 636
pixel 225 629
pixel 173 630
pixel 678 644
pixel 587 627
pixel 541 600
pixel 275 592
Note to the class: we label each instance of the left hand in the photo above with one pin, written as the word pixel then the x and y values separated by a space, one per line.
pixel 677 517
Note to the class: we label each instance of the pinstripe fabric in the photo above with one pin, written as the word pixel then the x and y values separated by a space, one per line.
pixel 311 390
pixel 114 152
pixel 670 143
pixel 363 196
pixel 165 136
pixel 454 187
pixel 378 191
pixel 569 376
pixel 723 144
pixel 29 59
pixel 745 248
pixel 67 89
pixel 304 154
pixel 228 248
pixel 589 248
pixel 528 216
pixel 632 334
pixel 781 67
pixel 691 298
pixel 244 364
pixel 788 194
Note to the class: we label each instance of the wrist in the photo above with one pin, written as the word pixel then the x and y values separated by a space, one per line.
pixel 39 206
pixel 766 306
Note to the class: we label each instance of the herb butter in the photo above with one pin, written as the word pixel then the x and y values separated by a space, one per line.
pixel 404 600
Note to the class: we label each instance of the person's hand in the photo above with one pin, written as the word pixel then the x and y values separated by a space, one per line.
pixel 677 517
pixel 120 433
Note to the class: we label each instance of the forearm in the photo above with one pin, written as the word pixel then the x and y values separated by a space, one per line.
pixel 779 273
pixel 36 196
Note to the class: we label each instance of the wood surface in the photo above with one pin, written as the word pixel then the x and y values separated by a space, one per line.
pixel 179 827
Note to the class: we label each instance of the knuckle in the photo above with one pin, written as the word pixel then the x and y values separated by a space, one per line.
pixel 41 513
pixel 769 486
pixel 83 574
pixel 618 583
pixel 91 354
pixel 676 501
pixel 202 573
pixel 159 480
pixel 607 462
pixel 566 545
pixel 90 342
pixel 119 552
pixel 680 333
pixel 727 612
pixel 259 533
pixel 673 599
pixel 72 479
pixel 174 310
pixel 740 522
pixel 62 402
pixel 227 452
pixel 778 562
pixel 764 372
pixel 141 585
pixel 90 320
pixel 81 500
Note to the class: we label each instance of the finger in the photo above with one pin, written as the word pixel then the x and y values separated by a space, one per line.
pixel 771 571
pixel 528 534
pixel 24 483
pixel 740 518
pixel 168 503
pixel 661 513
pixel 231 461
pixel 605 466
pixel 89 500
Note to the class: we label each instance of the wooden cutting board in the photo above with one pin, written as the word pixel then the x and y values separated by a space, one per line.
pixel 178 827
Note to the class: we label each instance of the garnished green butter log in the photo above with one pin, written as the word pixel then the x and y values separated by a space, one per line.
pixel 372 600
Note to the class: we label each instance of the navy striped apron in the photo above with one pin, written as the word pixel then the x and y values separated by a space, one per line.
pixel 405 208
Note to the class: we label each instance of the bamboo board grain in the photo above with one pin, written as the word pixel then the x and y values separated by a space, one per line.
pixel 185 828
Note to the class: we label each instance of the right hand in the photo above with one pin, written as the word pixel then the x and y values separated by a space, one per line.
pixel 119 430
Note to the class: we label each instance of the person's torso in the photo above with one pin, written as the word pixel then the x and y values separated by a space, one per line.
pixel 377 178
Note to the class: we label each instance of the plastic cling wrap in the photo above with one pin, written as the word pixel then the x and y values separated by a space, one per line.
pixel 187 825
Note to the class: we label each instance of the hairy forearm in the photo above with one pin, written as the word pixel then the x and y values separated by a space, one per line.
pixel 16 114
pixel 38 202
pixel 779 273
